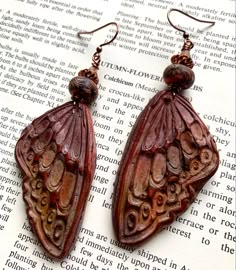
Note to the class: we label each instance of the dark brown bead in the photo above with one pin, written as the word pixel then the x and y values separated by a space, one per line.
pixel 178 76
pixel 83 89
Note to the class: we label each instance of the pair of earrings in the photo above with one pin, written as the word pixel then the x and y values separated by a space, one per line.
pixel 168 157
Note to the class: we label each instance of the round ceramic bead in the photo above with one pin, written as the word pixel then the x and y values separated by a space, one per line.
pixel 83 89
pixel 178 76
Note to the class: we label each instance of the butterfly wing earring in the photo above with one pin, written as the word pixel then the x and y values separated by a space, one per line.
pixel 169 156
pixel 57 154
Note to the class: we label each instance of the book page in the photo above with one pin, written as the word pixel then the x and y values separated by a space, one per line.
pixel 40 53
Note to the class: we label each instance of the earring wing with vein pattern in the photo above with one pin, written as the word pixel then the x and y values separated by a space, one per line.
pixel 57 154
pixel 169 156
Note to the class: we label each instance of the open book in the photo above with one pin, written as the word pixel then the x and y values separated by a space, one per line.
pixel 40 53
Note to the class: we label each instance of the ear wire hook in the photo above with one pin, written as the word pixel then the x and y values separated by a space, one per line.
pixel 96 56
pixel 185 35
pixel 95 30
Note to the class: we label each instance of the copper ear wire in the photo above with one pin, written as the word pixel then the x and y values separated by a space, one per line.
pixel 185 35
pixel 96 56
pixel 97 29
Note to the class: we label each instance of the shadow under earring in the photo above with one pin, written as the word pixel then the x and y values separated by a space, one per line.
pixel 168 157
pixel 57 154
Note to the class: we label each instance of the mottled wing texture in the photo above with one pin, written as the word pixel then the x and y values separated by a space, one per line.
pixel 57 155
pixel 168 158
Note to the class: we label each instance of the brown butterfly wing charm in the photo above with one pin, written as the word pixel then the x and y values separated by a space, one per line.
pixel 169 156
pixel 57 154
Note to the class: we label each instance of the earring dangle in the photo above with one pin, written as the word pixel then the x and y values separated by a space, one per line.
pixel 57 154
pixel 169 156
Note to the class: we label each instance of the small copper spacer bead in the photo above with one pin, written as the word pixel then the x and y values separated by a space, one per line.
pixel 99 49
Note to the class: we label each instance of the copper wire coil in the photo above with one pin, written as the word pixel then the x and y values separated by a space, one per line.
pixel 96 60
pixel 188 45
